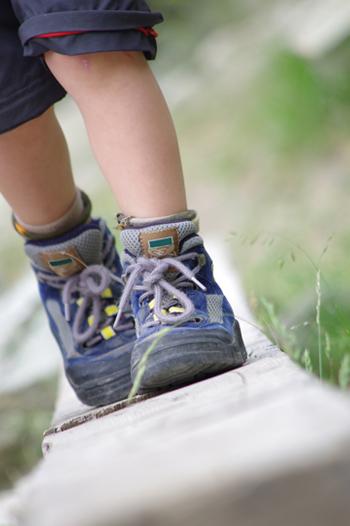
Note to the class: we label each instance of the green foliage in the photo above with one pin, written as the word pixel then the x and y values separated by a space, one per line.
pixel 344 372
pixel 292 103
pixel 276 329
pixel 142 365
pixel 23 416
pixel 313 326
pixel 306 361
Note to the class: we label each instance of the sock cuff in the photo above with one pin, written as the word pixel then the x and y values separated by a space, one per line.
pixel 124 221
pixel 78 213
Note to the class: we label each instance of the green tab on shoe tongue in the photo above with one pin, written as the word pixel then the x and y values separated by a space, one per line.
pixel 64 263
pixel 69 256
pixel 160 244
pixel 157 241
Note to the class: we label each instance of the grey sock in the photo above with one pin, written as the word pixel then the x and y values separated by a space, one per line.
pixel 140 222
pixel 78 213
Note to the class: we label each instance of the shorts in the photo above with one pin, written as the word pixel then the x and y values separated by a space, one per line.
pixel 29 28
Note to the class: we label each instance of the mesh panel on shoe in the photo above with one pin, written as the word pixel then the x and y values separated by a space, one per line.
pixel 130 240
pixel 131 236
pixel 191 243
pixel 88 244
pixel 215 307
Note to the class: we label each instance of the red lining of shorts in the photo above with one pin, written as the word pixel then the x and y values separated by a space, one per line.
pixel 59 34
pixel 148 31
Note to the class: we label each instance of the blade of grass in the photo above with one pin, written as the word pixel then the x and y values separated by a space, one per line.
pixel 142 365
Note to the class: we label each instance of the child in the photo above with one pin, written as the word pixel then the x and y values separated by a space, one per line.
pixel 105 317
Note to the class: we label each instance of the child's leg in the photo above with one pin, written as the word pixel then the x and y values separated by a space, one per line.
pixel 129 126
pixel 169 273
pixel 72 256
pixel 36 177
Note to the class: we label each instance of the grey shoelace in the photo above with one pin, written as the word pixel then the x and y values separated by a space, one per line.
pixel 89 284
pixel 151 276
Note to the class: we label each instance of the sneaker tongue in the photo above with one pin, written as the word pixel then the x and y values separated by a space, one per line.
pixel 68 254
pixel 157 241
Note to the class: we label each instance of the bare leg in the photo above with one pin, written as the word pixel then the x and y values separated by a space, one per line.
pixel 130 128
pixel 35 175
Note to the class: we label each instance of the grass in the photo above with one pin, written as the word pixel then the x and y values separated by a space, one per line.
pixel 23 417
pixel 320 358
pixel 272 156
pixel 142 365
pixel 316 335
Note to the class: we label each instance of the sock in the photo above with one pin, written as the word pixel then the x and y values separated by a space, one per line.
pixel 159 237
pixel 78 213
pixel 140 222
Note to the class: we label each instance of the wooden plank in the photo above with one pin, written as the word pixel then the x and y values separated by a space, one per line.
pixel 266 444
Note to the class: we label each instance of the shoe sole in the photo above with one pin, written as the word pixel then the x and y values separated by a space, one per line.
pixel 181 360
pixel 101 381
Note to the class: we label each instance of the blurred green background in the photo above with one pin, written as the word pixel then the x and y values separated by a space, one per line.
pixel 260 94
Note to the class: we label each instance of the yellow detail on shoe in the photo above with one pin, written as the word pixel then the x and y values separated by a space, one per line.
pixel 108 333
pixel 174 309
pixel 111 310
pixel 202 259
pixel 107 293
pixel 151 305
pixel 79 301
pixel 155 317
pixel 90 320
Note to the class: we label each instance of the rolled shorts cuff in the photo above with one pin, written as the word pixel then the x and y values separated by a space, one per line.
pixel 78 32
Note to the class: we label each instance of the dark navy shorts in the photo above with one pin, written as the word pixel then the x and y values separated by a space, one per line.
pixel 29 28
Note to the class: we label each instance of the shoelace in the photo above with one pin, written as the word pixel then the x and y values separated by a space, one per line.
pixel 89 284
pixel 153 275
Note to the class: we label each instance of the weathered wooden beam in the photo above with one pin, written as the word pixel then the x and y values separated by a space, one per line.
pixel 265 444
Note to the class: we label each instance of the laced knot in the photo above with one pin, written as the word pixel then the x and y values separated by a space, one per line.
pixel 89 284
pixel 89 287
pixel 161 279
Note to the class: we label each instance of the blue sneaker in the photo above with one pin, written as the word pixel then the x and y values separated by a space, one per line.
pixel 186 330
pixel 80 287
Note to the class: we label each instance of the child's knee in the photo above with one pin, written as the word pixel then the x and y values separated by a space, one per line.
pixel 89 62
pixel 111 58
